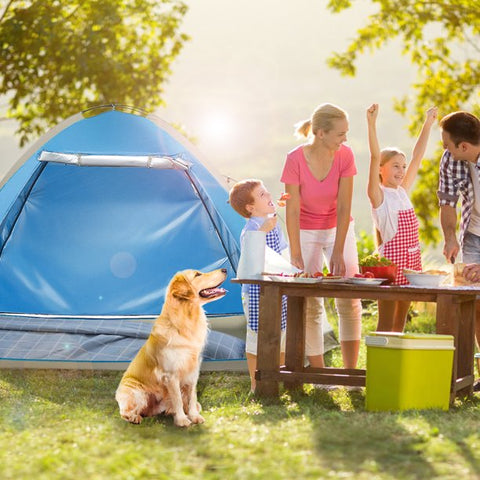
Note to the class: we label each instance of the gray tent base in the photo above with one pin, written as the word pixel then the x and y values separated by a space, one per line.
pixel 103 343
pixel 109 343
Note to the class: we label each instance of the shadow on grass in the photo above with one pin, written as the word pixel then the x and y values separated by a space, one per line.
pixel 404 444
pixel 344 437
pixel 369 442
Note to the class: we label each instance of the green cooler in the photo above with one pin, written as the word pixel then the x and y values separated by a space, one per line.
pixel 408 371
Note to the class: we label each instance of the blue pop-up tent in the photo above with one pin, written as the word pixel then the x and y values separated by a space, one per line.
pixel 94 221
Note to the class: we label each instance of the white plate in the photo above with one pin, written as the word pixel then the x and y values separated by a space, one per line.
pixel 332 280
pixel 425 279
pixel 284 278
pixel 367 281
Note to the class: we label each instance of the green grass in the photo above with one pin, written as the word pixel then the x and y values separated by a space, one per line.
pixel 65 425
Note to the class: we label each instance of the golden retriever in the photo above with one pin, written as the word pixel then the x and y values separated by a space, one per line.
pixel 162 378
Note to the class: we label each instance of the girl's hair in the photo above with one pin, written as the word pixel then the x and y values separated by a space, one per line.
pixel 322 119
pixel 388 153
pixel 241 195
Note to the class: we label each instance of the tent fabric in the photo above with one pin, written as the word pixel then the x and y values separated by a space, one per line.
pixel 105 240
pixel 67 256
pixel 92 339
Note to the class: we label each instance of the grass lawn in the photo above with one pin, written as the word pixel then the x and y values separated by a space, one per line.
pixel 65 425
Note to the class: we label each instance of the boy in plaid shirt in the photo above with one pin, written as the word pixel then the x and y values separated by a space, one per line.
pixel 253 201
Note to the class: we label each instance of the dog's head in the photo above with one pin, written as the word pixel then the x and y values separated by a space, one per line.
pixel 192 285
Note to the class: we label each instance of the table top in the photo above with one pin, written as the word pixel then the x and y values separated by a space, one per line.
pixel 328 288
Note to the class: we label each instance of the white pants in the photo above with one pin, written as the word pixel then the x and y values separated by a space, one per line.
pixel 317 246
pixel 251 342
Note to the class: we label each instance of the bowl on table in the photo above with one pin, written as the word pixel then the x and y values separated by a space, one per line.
pixel 425 279
pixel 381 271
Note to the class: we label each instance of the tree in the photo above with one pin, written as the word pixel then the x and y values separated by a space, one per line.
pixel 442 39
pixel 58 58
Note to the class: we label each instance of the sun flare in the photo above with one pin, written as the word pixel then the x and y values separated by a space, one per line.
pixel 217 127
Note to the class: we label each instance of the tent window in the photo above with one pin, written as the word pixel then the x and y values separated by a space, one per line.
pixel 149 161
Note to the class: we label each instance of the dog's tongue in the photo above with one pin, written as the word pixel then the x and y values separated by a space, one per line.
pixel 212 292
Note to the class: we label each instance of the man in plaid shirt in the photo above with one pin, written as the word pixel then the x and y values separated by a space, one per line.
pixel 460 177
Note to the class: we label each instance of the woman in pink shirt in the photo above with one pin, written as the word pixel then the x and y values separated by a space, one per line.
pixel 318 175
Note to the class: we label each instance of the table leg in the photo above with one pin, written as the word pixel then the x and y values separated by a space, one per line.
pixel 295 341
pixel 457 317
pixel 268 348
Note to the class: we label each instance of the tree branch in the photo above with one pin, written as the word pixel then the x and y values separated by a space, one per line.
pixel 471 42
pixel 7 6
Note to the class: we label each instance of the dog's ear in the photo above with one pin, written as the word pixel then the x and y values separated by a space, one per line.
pixel 181 289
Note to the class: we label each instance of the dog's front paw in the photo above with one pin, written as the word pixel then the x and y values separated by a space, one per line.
pixel 132 418
pixel 196 418
pixel 182 421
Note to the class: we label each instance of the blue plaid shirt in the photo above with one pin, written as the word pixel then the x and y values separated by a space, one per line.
pixel 276 241
pixel 454 182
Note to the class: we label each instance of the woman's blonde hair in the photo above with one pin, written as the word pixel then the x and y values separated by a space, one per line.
pixel 322 119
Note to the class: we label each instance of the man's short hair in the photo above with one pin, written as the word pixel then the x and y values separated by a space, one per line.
pixel 462 127
pixel 241 195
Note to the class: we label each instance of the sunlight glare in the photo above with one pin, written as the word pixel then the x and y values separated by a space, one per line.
pixel 217 127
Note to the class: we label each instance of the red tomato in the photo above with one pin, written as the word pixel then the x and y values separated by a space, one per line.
pixel 359 275
pixel 318 274
pixel 369 275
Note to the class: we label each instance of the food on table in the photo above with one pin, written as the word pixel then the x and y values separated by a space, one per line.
pixel 364 275
pixel 375 260
pixel 426 272
pixel 327 276
pixel 379 266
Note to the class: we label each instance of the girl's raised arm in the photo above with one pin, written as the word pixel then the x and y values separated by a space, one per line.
pixel 374 191
pixel 419 148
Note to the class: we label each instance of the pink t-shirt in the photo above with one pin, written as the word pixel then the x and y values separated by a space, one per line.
pixel 318 200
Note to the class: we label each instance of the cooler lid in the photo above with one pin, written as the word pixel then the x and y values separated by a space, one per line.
pixel 410 341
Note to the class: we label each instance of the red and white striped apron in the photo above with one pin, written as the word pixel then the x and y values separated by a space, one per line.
pixel 404 248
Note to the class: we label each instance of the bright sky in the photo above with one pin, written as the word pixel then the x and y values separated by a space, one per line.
pixel 256 67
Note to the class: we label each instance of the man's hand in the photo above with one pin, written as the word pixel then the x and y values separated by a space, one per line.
pixel 451 249
pixel 471 272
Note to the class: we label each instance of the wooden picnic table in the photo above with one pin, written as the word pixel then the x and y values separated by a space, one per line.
pixel 455 315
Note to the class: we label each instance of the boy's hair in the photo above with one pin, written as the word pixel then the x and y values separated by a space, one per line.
pixel 462 127
pixel 241 195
